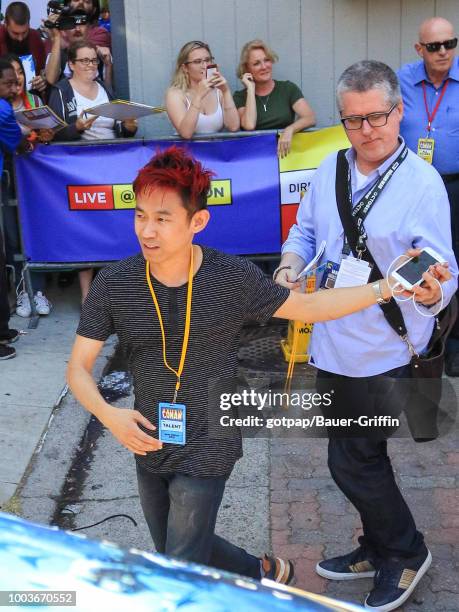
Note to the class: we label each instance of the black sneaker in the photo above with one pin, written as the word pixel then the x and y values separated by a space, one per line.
pixel 11 336
pixel 395 581
pixel 357 564
pixel 280 570
pixel 7 352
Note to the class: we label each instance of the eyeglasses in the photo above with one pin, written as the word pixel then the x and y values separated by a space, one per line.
pixel 86 61
pixel 433 47
pixel 355 122
pixel 200 62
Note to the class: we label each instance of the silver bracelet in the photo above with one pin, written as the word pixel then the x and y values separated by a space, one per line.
pixel 377 290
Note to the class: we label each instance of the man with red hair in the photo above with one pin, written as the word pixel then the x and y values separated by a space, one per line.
pixel 178 310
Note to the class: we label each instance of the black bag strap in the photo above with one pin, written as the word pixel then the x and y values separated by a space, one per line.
pixel 391 310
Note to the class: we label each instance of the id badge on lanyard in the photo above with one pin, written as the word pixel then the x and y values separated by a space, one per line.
pixel 426 145
pixel 353 272
pixel 426 149
pixel 172 416
pixel 172 423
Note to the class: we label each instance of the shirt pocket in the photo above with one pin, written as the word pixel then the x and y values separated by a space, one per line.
pixel 452 120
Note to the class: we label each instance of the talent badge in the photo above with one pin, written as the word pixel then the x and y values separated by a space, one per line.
pixel 426 149
pixel 172 423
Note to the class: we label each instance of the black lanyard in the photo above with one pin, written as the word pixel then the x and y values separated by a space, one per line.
pixel 362 209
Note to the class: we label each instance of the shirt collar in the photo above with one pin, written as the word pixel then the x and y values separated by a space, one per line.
pixel 420 73
pixel 351 158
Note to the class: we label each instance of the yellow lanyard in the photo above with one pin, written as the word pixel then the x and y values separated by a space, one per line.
pixel 186 334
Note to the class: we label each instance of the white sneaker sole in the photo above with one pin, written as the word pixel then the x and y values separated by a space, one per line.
pixel 393 605
pixel 23 314
pixel 342 576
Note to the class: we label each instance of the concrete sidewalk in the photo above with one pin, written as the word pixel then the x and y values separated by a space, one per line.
pixel 32 383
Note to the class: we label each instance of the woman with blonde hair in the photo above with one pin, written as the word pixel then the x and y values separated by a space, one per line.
pixel 198 102
pixel 267 104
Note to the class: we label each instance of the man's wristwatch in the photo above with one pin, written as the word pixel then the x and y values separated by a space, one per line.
pixel 378 293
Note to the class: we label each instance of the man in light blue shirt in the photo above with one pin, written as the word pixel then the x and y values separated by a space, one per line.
pixel 357 355
pixel 430 92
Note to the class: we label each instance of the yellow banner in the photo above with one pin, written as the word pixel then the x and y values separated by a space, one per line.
pixel 309 149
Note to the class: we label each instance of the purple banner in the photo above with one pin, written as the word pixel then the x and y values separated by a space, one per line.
pixel 76 202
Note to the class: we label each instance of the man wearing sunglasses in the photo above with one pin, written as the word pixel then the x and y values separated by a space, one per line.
pixel 398 202
pixel 430 126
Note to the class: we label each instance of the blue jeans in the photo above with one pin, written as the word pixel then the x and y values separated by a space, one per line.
pixel 181 512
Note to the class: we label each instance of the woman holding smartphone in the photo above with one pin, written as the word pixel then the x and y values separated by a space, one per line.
pixel 266 104
pixel 199 100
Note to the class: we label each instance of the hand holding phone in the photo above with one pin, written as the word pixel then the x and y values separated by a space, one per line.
pixel 409 274
pixel 211 70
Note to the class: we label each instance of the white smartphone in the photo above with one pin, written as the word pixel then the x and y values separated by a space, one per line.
pixel 211 70
pixel 409 274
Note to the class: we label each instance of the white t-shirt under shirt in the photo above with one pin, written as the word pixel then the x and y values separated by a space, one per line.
pixel 360 178
pixel 103 127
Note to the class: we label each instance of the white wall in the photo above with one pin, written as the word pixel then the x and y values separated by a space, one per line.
pixel 37 10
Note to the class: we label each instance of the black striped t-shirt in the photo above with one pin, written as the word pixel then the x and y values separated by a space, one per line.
pixel 227 292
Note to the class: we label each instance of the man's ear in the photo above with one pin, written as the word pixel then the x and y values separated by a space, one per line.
pixel 419 49
pixel 199 220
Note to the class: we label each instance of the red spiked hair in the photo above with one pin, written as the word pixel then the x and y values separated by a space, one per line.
pixel 176 169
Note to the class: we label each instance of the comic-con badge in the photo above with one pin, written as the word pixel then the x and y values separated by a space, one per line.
pixel 426 149
pixel 172 423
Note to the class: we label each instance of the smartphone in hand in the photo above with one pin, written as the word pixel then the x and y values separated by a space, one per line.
pixel 211 70
pixel 409 274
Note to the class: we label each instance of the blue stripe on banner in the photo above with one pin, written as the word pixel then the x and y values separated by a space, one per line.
pixel 67 196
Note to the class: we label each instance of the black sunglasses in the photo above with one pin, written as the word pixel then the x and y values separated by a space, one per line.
pixel 433 47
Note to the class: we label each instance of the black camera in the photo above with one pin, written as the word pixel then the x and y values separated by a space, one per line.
pixel 67 19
